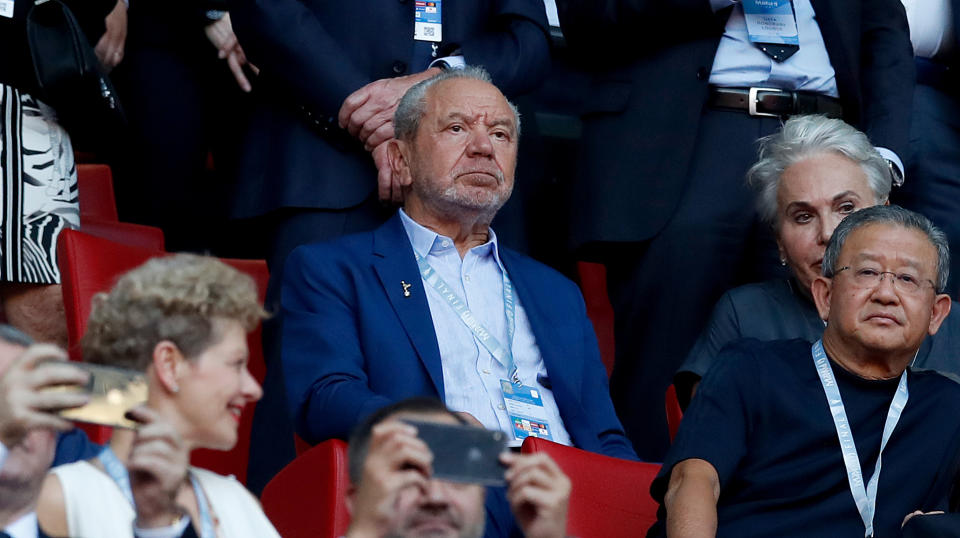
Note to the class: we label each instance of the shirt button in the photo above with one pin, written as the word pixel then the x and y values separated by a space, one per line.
pixel 486 372
pixel 501 407
pixel 445 243
pixel 467 278
pixel 399 67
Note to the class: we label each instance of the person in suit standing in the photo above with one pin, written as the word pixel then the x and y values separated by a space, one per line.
pixel 429 304
pixel 313 165
pixel 933 164
pixel 681 91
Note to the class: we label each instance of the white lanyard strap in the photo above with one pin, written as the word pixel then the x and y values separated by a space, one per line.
pixel 503 354
pixel 866 498
pixel 118 472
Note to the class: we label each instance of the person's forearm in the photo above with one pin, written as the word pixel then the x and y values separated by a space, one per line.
pixel 691 510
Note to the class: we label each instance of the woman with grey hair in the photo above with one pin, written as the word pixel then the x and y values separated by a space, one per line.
pixel 809 177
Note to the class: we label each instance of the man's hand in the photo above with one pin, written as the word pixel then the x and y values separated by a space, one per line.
pixel 158 467
pixel 368 112
pixel 25 405
pixel 109 48
pixel 388 184
pixel 396 459
pixel 221 35
pixel 539 494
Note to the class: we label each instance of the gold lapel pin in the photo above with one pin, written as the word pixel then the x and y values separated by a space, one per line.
pixel 406 288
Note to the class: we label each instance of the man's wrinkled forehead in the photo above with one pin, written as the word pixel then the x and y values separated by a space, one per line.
pixel 469 100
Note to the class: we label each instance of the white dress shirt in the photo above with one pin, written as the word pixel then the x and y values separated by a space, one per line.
pixel 25 527
pixel 739 63
pixel 471 375
pixel 931 27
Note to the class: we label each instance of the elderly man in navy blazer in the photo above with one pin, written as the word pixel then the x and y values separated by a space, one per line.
pixel 429 304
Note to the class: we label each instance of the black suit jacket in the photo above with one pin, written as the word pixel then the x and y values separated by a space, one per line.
pixel 314 53
pixel 652 63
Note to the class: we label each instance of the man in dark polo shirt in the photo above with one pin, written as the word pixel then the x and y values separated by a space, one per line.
pixel 786 438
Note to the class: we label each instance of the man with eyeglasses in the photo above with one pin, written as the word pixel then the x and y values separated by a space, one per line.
pixel 789 438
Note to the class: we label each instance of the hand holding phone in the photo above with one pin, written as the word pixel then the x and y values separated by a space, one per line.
pixel 26 399
pixel 463 453
pixel 111 393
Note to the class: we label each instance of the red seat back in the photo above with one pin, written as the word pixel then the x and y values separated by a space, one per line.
pixel 95 190
pixel 307 499
pixel 593 285
pixel 89 265
pixel 610 496
pixel 137 235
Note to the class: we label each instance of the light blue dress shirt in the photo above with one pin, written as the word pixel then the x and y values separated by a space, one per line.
pixel 471 375
pixel 739 63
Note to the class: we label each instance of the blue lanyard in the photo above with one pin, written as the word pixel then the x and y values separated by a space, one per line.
pixel 118 472
pixel 866 498
pixel 504 355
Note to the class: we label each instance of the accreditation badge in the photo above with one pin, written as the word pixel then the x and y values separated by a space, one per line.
pixel 771 21
pixel 526 411
pixel 427 24
pixel 6 8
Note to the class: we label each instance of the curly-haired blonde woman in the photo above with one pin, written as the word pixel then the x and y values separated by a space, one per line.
pixel 183 321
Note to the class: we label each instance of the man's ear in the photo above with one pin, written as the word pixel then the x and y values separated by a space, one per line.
pixel 168 364
pixel 397 154
pixel 939 312
pixel 820 289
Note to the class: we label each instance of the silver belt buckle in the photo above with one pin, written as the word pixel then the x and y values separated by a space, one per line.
pixel 752 102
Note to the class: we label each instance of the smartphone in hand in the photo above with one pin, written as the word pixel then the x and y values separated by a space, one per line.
pixel 464 453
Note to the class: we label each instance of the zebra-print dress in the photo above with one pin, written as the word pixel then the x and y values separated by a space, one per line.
pixel 38 197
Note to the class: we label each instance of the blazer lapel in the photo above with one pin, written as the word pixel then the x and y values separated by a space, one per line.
pixel 395 265
pixel 554 344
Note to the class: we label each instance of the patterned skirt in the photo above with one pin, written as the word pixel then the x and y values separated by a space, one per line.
pixel 38 195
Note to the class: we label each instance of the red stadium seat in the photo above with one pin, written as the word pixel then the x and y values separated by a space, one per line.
pixel 89 265
pixel 307 499
pixel 610 496
pixel 95 189
pixel 128 233
pixel 593 285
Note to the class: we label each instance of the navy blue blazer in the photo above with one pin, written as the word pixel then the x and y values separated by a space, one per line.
pixel 352 342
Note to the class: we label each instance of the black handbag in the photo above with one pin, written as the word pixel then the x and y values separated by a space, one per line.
pixel 68 72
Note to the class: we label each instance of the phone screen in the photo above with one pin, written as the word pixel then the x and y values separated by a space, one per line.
pixel 464 453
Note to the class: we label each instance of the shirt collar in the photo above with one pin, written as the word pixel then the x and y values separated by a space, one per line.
pixel 25 527
pixel 424 240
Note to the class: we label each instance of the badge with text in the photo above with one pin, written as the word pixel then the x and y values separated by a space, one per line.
pixel 427 25
pixel 772 26
pixel 525 408
pixel 6 8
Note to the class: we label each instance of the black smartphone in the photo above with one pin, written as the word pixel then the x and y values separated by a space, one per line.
pixel 113 391
pixel 464 453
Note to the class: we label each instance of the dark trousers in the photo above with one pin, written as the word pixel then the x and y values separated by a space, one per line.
pixel 664 289
pixel 932 182
pixel 182 105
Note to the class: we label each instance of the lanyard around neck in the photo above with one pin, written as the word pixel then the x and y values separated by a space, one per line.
pixel 865 498
pixel 503 354
pixel 118 472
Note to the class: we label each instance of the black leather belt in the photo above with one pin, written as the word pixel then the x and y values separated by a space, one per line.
pixel 774 102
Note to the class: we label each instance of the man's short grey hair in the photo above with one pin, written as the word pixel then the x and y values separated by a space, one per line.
pixel 413 104
pixel 889 214
pixel 806 136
